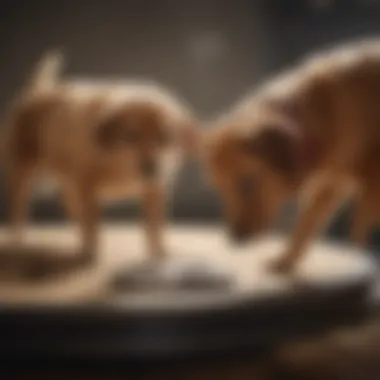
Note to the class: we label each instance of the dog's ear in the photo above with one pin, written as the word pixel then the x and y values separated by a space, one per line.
pixel 190 138
pixel 277 147
pixel 108 132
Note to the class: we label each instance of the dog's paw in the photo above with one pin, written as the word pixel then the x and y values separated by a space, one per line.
pixel 281 265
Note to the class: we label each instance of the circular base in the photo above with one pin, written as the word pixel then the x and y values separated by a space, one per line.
pixel 174 273
pixel 80 314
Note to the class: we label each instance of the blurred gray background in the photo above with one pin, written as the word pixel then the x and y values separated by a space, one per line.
pixel 210 52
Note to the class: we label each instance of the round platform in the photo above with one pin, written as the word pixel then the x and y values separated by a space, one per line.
pixel 76 313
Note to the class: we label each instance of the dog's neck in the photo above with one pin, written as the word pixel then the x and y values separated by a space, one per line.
pixel 309 149
pixel 309 144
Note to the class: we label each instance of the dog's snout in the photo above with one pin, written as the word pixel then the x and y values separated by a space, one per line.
pixel 149 168
pixel 239 234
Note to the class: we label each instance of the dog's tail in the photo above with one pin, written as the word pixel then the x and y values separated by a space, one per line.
pixel 47 72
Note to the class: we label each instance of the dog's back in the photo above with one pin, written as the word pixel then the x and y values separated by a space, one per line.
pixel 334 95
pixel 53 125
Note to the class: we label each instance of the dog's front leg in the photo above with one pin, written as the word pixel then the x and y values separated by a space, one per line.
pixel 154 217
pixel 366 214
pixel 325 192
pixel 89 219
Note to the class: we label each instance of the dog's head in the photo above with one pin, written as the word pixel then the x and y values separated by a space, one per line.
pixel 254 170
pixel 144 131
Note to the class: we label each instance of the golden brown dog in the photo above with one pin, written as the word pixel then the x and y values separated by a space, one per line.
pixel 99 139
pixel 313 133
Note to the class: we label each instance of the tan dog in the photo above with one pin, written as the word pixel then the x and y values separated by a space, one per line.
pixel 314 133
pixel 99 140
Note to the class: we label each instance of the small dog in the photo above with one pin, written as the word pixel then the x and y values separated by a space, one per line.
pixel 99 140
pixel 313 133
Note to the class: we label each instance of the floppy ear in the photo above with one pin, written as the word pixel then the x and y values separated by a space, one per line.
pixel 108 132
pixel 278 147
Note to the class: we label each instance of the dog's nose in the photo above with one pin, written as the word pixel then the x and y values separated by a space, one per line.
pixel 149 168
pixel 239 235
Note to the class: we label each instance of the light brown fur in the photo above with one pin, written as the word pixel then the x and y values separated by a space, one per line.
pixel 99 140
pixel 333 100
